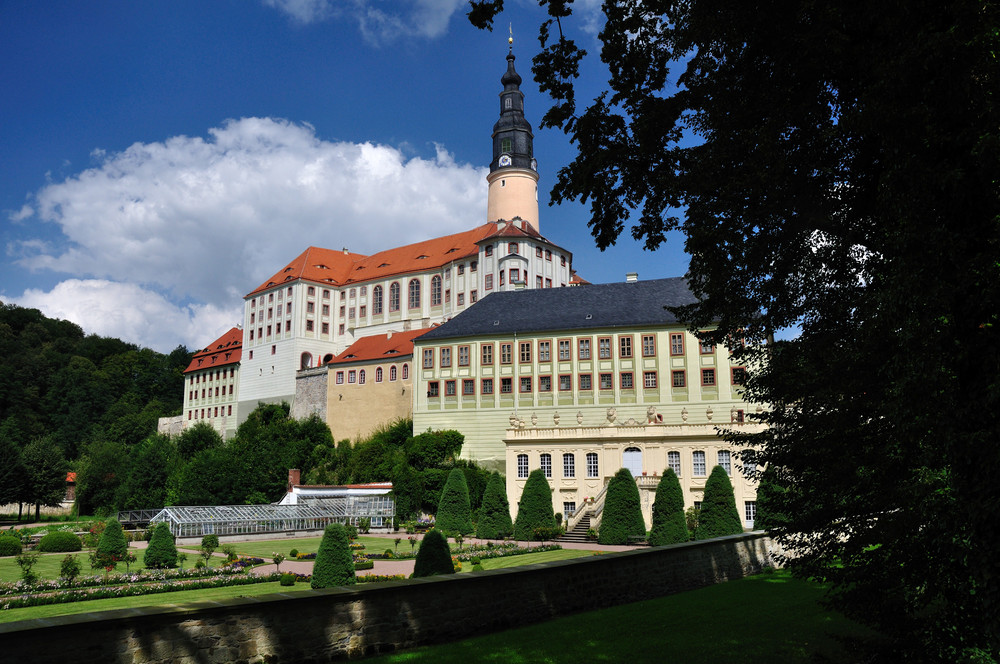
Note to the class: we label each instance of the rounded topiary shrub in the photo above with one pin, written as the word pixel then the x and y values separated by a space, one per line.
pixel 113 544
pixel 161 552
pixel 434 556
pixel 59 541
pixel 9 545
pixel 494 514
pixel 454 513
pixel 334 564
pixel 718 515
pixel 287 579
pixel 534 510
pixel 294 553
pixel 622 518
pixel 669 522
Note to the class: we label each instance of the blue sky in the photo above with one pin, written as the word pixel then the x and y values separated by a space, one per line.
pixel 158 160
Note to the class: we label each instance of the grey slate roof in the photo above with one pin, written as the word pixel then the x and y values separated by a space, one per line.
pixel 636 304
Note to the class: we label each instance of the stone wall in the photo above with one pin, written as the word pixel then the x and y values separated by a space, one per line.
pixel 325 625
pixel 310 393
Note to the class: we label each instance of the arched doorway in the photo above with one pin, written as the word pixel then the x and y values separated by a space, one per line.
pixel 632 459
pixel 307 361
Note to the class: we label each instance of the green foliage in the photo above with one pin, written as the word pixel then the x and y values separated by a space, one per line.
pixel 11 468
pixel 718 515
pixel 454 514
pixel 293 553
pixel 434 556
pixel 534 510
pixel 842 184
pixel 9 545
pixel 622 516
pixel 161 551
pixel 669 522
pixel 494 515
pixel 770 495
pixel 334 564
pixel 433 449
pixel 209 543
pixel 287 579
pixel 26 561
pixel 45 473
pixel 69 568
pixel 112 543
pixel 194 439
pixel 145 486
pixel 59 541
pixel 99 475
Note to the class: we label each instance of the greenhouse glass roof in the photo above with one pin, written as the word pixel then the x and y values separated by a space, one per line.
pixel 197 521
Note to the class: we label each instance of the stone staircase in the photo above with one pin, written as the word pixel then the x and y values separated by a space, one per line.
pixel 579 531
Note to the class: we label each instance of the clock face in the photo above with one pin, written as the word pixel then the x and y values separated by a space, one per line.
pixel 505 160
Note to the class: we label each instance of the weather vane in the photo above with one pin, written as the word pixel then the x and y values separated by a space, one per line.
pixel 510 28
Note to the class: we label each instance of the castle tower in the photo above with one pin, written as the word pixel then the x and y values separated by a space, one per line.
pixel 513 178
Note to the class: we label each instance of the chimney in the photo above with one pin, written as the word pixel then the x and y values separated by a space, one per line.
pixel 294 474
pixel 631 277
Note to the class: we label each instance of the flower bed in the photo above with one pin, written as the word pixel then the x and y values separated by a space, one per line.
pixel 501 551
pixel 146 576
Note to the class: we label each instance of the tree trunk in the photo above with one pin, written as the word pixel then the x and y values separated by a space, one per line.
pixel 38 509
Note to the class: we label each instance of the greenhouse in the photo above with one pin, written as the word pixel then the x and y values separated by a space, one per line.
pixel 197 521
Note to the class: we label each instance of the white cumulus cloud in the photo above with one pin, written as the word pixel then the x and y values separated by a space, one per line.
pixel 379 21
pixel 132 313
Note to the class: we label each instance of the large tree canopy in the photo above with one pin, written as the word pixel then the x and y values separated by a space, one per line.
pixel 834 169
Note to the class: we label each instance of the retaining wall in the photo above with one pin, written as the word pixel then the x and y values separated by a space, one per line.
pixel 325 625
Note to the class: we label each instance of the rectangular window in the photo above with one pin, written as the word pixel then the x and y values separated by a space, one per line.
pixel 708 377
pixel 604 348
pixel 674 462
pixel 487 386
pixel 569 466
pixel 725 459
pixel 584 352
pixel 473 266
pixel 525 383
pixel 515 275
pixel 648 345
pixel 343 309
pixel 586 382
pixel 538 252
pixel 750 511
pixel 625 346
pixel 461 299
pixel 739 376
pixel 707 347
pixel 676 343
pixel 488 282
pixel 309 327
pixel 522 466
pixel 352 376
pixel 524 352
pixel 565 383
pixel 489 250
pixel 503 276
pixel 545 383
pixel 677 378
pixel 538 282
pixel 326 309
pixel 428 358
pixel 449 388
pixel 473 296
pixel 326 328
pixel 445 357
pixel 363 311
pixel 607 381
pixel 592 464
pixel 506 385
pixel 545 463
pixel 627 383
pixel 487 354
pixel 463 356
pixel 544 351
pixel 649 379
pixel 468 387
pixel 548 283
pixel 506 353
pixel 698 463
pixel 432 389
pixel 564 350
pixel 548 254
pixel 461 269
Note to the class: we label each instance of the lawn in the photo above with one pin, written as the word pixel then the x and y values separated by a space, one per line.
pixel 266 548
pixel 529 559
pixel 771 617
pixel 48 565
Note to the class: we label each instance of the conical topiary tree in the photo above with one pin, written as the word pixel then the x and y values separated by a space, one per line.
pixel 669 522
pixel 534 510
pixel 718 515
pixel 454 513
pixel 161 551
pixel 334 564
pixel 494 515
pixel 112 546
pixel 622 517
pixel 434 556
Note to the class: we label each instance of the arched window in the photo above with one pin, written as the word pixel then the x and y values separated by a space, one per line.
pixel 328 358
pixel 406 371
pixel 435 291
pixel 361 377
pixel 394 296
pixel 632 459
pixel 506 102
pixel 392 373
pixel 414 302
pixel 378 374
pixel 377 300
pixel 306 361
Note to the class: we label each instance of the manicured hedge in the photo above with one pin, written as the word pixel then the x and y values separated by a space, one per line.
pixel 113 543
pixel 434 556
pixel 334 564
pixel 718 515
pixel 622 518
pixel 454 514
pixel 534 510
pixel 59 541
pixel 161 552
pixel 669 522
pixel 494 514
pixel 9 545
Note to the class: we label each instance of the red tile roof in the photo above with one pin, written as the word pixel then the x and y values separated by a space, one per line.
pixel 577 280
pixel 225 350
pixel 385 347
pixel 340 268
